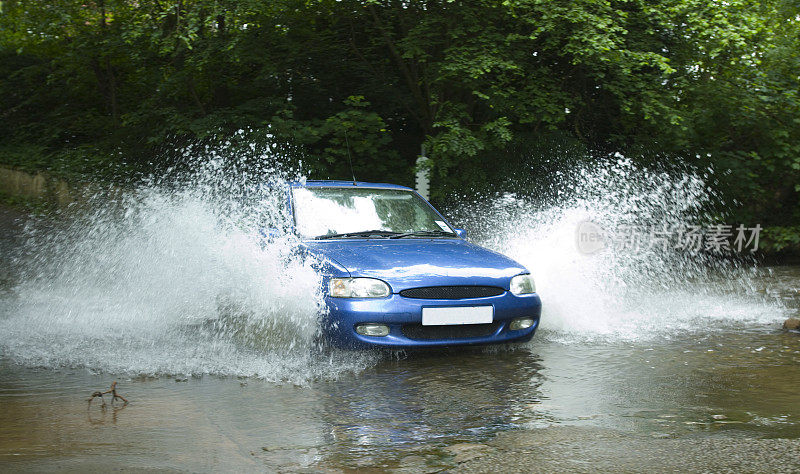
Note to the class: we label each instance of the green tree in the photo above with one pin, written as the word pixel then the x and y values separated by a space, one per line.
pixel 484 85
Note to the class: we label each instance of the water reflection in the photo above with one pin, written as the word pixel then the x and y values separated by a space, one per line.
pixel 98 416
pixel 430 399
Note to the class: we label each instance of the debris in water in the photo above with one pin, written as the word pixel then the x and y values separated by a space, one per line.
pixel 112 391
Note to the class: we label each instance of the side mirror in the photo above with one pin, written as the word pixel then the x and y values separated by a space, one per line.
pixel 461 233
pixel 270 233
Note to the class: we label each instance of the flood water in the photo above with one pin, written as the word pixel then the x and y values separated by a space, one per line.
pixel 736 379
pixel 734 383
pixel 649 355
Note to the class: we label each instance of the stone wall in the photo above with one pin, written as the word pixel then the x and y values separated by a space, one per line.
pixel 39 186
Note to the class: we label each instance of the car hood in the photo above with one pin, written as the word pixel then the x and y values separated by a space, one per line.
pixel 412 263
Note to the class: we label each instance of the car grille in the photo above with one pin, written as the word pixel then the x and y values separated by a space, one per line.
pixel 452 292
pixel 459 331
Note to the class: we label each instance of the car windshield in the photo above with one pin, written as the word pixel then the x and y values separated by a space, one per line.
pixel 328 212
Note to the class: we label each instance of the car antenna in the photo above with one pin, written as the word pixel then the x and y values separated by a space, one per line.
pixel 350 158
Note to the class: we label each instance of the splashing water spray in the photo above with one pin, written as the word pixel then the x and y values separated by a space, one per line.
pixel 175 277
pixel 592 291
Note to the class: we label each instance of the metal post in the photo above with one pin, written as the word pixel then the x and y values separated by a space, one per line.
pixel 423 174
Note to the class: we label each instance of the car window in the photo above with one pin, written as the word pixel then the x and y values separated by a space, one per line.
pixel 323 211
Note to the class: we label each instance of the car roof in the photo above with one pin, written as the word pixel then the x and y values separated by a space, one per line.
pixel 344 184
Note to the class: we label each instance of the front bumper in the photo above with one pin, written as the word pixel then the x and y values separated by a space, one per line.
pixel 404 317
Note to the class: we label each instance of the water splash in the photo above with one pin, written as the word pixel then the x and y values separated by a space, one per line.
pixel 620 294
pixel 173 277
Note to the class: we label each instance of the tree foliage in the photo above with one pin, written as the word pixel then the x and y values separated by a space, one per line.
pixel 475 81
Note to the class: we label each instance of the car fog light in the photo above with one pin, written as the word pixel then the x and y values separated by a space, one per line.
pixel 520 323
pixel 379 330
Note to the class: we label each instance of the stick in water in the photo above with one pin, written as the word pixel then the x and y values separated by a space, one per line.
pixel 112 391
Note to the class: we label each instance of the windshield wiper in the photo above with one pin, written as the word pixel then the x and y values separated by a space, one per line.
pixel 423 233
pixel 363 233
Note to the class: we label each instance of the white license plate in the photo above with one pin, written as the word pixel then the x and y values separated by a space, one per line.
pixel 457 315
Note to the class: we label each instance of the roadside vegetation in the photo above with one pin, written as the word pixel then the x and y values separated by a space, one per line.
pixel 105 89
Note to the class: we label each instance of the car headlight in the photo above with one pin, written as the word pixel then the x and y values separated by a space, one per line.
pixel 522 285
pixel 358 288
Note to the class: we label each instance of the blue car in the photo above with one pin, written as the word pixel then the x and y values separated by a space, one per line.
pixel 396 274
